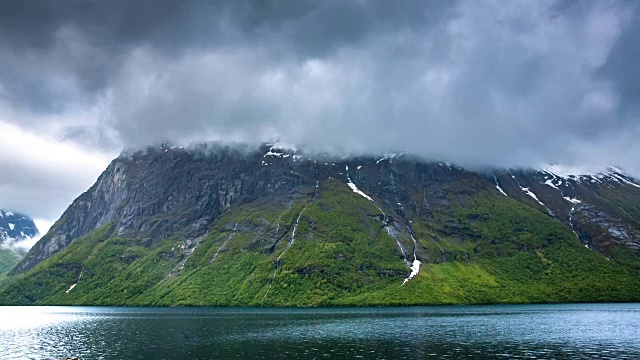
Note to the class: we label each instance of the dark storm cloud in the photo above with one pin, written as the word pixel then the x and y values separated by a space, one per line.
pixel 87 42
pixel 623 67
pixel 475 82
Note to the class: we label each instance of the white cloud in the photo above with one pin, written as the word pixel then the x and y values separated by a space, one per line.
pixel 42 175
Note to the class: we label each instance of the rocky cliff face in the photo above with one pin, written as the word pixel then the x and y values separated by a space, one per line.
pixel 601 208
pixel 167 191
pixel 265 200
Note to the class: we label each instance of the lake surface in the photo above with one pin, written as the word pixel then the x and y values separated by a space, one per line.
pixel 587 331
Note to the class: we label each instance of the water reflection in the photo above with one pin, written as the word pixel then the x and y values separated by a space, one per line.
pixel 603 331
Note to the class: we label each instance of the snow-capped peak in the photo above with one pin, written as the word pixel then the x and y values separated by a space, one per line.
pixel 574 172
pixel 16 227
pixel 590 174
pixel 283 146
pixel 280 150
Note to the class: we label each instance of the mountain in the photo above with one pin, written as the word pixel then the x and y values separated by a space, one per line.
pixel 221 225
pixel 14 228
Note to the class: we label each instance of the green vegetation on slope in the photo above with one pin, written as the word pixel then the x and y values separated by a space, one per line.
pixel 8 259
pixel 340 255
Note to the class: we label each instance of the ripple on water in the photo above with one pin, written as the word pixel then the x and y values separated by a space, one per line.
pixel 602 331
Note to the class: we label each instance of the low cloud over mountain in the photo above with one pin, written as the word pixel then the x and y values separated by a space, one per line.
pixel 473 82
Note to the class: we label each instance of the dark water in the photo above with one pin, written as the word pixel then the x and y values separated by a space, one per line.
pixel 601 331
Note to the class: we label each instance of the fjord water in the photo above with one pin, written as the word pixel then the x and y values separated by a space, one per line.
pixel 572 331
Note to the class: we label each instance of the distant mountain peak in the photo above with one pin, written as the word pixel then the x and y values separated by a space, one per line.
pixel 16 227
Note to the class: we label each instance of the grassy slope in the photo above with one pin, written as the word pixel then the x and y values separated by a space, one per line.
pixel 341 256
pixel 8 259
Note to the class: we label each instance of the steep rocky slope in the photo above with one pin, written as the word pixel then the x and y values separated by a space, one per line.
pixel 215 225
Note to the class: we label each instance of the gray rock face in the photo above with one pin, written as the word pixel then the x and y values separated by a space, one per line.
pixel 169 191
pixel 601 209
pixel 164 191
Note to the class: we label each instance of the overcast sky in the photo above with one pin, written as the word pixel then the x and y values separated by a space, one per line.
pixel 508 83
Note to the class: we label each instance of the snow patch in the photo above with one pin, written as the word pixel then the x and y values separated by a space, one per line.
pixel 532 195
pixel 572 200
pixel 272 153
pixel 283 146
pixel 572 172
pixel 618 177
pixel 593 175
pixel 355 189
pixel 74 285
pixel 550 183
pixel 498 187
pixel 415 269
pixel 389 157
pixel 279 150
pixel 12 226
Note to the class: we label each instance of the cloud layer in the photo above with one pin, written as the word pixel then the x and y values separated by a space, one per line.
pixel 474 82
pixel 40 176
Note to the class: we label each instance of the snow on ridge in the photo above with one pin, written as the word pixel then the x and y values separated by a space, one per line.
pixel 272 153
pixel 617 175
pixel 283 146
pixel 280 150
pixel 591 174
pixel 389 156
pixel 550 183
pixel 573 172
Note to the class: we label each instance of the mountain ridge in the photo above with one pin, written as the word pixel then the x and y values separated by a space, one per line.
pixel 165 210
